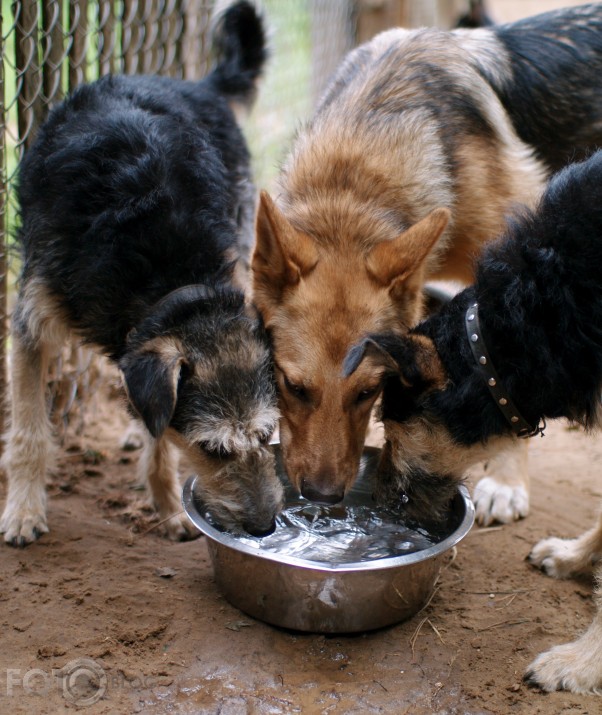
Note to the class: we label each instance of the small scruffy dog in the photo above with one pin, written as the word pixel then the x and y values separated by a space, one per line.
pixel 523 344
pixel 134 199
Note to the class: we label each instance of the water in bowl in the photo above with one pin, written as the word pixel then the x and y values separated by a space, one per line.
pixel 353 531
pixel 342 533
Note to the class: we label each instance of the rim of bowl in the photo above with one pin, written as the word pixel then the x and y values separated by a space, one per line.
pixel 224 538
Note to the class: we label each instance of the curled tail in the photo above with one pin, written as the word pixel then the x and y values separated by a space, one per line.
pixel 239 41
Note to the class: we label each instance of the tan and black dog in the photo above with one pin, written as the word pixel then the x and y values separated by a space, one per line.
pixel 422 145
pixel 522 345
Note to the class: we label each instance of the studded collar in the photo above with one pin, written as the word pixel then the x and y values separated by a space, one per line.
pixel 517 422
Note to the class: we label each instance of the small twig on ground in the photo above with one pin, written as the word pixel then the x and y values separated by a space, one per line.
pixel 509 599
pixel 453 555
pixel 500 593
pixel 434 627
pixel 501 624
pixel 423 621
pixel 159 523
pixel 486 529
pixel 416 633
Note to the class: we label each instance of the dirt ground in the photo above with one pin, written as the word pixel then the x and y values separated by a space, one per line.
pixel 106 611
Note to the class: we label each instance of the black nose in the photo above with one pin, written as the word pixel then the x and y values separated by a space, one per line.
pixel 260 530
pixel 319 497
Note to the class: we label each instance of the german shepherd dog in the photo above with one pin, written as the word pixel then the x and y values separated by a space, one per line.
pixel 523 344
pixel 421 146
pixel 134 199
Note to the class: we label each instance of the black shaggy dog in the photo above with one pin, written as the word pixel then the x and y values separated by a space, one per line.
pixel 522 345
pixel 134 200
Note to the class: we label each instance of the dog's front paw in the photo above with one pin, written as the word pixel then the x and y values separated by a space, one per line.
pixel 22 526
pixel 496 501
pixel 561 558
pixel 571 667
pixel 179 528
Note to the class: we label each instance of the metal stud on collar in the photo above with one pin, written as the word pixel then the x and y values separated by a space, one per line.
pixel 517 422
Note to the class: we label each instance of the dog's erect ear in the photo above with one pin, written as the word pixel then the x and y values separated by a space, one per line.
pixel 392 262
pixel 151 381
pixel 282 254
pixel 413 357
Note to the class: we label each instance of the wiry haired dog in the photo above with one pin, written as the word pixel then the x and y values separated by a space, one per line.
pixel 521 345
pixel 133 199
pixel 423 143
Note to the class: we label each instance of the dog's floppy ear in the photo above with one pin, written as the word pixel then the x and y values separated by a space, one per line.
pixel 151 380
pixel 393 262
pixel 369 347
pixel 412 357
pixel 282 254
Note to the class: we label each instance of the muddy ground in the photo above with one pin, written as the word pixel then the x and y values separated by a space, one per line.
pixel 104 594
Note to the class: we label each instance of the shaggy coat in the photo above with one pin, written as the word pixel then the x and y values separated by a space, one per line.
pixel 422 145
pixel 135 199
pixel 539 299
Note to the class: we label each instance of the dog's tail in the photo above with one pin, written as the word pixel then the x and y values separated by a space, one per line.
pixel 240 45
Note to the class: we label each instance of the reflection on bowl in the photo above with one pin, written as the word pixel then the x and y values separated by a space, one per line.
pixel 311 575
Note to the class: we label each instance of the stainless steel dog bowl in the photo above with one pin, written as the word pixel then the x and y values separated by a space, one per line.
pixel 320 597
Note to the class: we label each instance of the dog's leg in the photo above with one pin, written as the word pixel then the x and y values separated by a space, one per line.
pixel 29 445
pixel 575 666
pixel 158 466
pixel 563 558
pixel 503 494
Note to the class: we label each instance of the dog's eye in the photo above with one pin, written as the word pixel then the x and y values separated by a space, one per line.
pixel 219 452
pixel 265 437
pixel 297 390
pixel 367 394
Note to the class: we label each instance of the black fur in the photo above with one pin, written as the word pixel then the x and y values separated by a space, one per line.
pixel 540 307
pixel 555 58
pixel 134 187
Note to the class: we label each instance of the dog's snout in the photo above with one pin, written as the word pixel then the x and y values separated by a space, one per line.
pixel 259 529
pixel 320 495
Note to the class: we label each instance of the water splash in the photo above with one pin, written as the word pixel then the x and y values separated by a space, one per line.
pixel 340 534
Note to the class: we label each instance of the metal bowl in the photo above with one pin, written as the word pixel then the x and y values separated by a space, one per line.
pixel 320 597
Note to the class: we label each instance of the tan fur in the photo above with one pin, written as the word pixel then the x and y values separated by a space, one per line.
pixel 368 209
pixel 575 666
pixel 418 443
pixel 29 450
